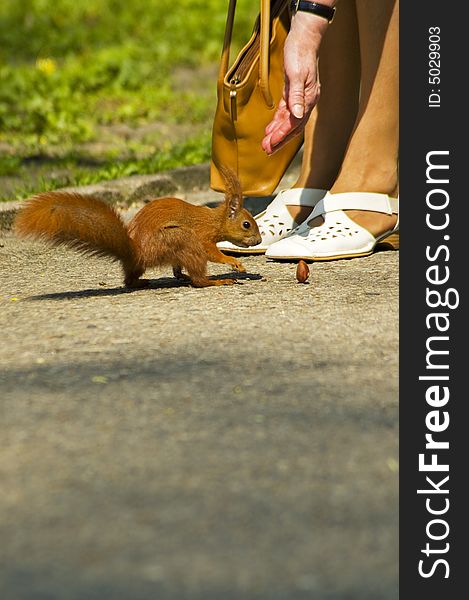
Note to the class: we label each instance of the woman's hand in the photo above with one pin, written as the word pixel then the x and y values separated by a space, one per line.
pixel 302 87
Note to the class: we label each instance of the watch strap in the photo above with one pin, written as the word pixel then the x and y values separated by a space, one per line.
pixel 315 8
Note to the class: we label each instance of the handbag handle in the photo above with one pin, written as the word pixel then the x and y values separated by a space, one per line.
pixel 264 51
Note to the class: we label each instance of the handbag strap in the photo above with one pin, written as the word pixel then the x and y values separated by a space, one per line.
pixel 225 55
pixel 264 53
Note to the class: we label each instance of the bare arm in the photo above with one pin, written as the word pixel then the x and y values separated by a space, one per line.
pixel 302 87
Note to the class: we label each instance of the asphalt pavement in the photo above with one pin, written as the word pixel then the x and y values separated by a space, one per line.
pixel 231 443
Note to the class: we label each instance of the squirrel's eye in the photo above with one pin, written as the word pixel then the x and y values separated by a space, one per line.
pixel 246 224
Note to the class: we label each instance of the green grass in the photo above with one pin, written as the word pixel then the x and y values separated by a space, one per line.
pixel 194 151
pixel 70 72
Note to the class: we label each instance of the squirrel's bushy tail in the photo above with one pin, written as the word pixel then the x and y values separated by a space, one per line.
pixel 83 223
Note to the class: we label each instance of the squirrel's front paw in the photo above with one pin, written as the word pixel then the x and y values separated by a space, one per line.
pixel 238 266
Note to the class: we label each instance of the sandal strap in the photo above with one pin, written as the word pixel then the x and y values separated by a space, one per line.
pixel 356 201
pixel 299 197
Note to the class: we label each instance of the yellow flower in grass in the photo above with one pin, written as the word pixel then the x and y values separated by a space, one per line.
pixel 46 65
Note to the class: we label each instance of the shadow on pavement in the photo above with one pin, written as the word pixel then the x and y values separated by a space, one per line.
pixel 155 284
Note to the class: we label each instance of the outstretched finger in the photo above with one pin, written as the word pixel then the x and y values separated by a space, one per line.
pixel 279 115
pixel 274 147
pixel 283 129
pixel 296 97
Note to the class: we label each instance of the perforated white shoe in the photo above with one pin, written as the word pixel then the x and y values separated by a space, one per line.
pixel 339 236
pixel 275 222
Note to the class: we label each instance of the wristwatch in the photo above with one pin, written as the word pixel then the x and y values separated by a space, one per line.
pixel 315 8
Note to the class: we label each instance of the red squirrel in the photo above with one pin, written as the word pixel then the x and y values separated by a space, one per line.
pixel 166 231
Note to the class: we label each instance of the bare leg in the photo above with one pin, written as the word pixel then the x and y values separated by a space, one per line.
pixel 331 123
pixel 370 162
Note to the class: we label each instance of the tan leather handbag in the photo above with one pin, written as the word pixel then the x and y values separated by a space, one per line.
pixel 248 96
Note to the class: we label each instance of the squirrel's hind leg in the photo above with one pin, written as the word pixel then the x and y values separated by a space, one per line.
pixel 200 283
pixel 184 251
pixel 132 277
pixel 195 263
pixel 177 272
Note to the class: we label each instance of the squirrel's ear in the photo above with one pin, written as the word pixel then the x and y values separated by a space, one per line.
pixel 234 204
pixel 234 193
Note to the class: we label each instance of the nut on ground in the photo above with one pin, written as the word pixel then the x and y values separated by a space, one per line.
pixel 302 272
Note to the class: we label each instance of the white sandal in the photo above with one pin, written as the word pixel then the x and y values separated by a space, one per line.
pixel 339 236
pixel 275 222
